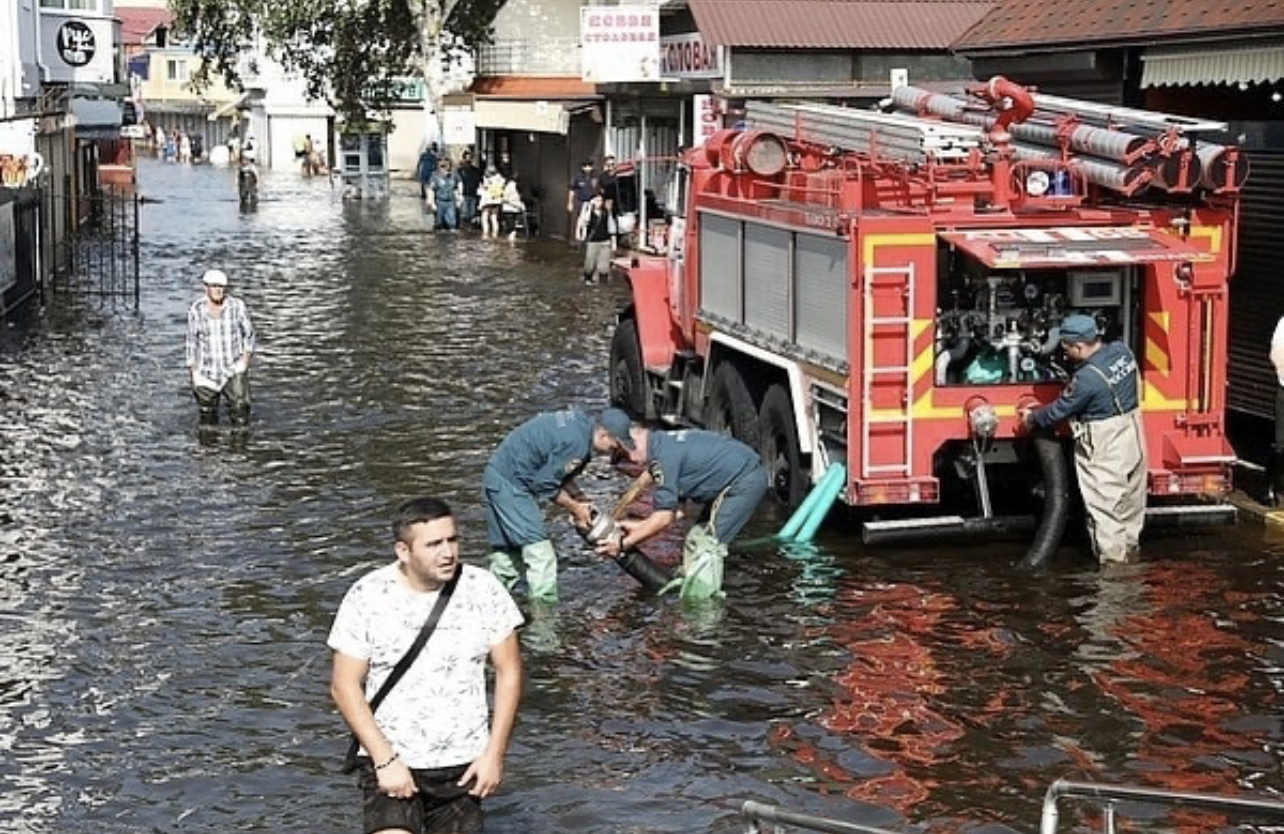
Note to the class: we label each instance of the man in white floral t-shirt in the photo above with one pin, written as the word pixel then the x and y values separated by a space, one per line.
pixel 431 753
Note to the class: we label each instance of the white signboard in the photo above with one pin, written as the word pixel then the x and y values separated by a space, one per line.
pixel 688 56
pixel 77 49
pixel 619 43
pixel 458 125
pixel 708 119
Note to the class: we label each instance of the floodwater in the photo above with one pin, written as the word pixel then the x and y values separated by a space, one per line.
pixel 165 595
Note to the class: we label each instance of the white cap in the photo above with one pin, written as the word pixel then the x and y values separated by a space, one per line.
pixel 215 278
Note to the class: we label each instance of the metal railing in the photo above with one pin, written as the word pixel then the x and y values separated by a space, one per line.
pixel 756 814
pixel 1109 795
pixel 530 56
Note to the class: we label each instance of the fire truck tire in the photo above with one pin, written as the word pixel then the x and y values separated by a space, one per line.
pixel 1056 502
pixel 778 436
pixel 628 378
pixel 731 409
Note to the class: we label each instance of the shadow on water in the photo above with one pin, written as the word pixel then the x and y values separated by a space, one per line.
pixel 165 594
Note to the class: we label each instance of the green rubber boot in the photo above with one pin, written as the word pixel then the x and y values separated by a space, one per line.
pixel 506 570
pixel 541 570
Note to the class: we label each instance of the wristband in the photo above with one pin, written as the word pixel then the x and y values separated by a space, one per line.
pixel 385 764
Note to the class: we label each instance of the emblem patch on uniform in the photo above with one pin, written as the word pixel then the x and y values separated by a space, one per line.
pixel 573 464
pixel 656 473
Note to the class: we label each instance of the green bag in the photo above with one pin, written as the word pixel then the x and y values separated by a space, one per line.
pixel 702 563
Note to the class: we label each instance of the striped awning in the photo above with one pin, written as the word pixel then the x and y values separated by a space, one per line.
pixel 1178 67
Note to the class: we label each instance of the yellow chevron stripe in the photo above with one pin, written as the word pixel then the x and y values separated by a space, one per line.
pixel 1156 357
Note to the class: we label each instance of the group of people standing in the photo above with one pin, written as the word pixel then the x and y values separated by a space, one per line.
pixel 460 197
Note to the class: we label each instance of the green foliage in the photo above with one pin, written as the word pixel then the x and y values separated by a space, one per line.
pixel 351 53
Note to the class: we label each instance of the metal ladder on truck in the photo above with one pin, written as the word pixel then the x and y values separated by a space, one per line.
pixel 887 313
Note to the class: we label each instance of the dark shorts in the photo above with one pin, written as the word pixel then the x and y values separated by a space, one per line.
pixel 440 807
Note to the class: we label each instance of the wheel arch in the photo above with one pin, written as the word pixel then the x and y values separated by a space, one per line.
pixel 769 368
pixel 659 333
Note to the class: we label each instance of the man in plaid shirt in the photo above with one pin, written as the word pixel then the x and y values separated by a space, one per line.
pixel 220 341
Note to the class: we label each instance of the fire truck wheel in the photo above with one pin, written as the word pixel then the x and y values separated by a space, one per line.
pixel 779 447
pixel 731 409
pixel 628 380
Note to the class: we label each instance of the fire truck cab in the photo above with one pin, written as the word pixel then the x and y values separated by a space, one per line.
pixel 885 289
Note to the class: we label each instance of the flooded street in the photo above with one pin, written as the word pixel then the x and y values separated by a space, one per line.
pixel 165 595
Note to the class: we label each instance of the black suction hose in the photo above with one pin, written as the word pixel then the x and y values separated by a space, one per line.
pixel 634 562
pixel 645 570
pixel 1056 501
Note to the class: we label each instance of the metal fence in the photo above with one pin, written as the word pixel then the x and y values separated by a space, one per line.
pixel 99 252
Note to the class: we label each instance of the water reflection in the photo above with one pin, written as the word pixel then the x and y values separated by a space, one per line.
pixel 165 593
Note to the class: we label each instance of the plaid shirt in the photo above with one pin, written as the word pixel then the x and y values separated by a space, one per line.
pixel 214 345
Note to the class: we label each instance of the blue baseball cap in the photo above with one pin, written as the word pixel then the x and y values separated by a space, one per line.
pixel 617 424
pixel 1078 328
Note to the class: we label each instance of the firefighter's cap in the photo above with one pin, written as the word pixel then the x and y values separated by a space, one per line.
pixel 1078 328
pixel 215 278
pixel 617 424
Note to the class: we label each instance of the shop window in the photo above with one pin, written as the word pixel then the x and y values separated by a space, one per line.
pixel 73 5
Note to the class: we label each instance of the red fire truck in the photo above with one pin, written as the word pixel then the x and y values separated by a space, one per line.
pixel 884 290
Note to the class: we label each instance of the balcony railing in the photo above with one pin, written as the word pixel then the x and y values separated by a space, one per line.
pixel 527 56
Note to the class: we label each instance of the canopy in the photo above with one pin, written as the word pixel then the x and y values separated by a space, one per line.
pixel 1073 246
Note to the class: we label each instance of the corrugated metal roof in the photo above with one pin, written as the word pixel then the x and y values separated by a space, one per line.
pixel 837 24
pixel 1078 23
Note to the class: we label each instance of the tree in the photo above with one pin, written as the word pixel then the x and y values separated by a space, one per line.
pixel 354 54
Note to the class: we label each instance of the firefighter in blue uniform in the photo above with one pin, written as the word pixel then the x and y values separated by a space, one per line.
pixel 720 472
pixel 537 461
pixel 1101 402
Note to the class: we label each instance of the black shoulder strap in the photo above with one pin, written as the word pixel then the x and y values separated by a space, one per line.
pixel 424 633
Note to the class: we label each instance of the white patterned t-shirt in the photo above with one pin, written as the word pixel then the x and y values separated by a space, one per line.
pixel 437 714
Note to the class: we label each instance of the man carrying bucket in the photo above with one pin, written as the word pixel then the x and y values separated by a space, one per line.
pixel 720 472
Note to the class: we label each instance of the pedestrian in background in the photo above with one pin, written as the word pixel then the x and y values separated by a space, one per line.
pixel 1274 489
pixel 470 178
pixel 425 169
pixel 513 208
pixel 583 185
pixel 431 752
pixel 220 343
pixel 1101 403
pixel 538 461
pixel 712 469
pixel 444 194
pixel 491 198
pixel 610 185
pixel 598 231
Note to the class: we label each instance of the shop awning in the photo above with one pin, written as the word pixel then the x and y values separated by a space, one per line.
pixel 1073 246
pixel 97 118
pixel 541 116
pixel 228 108
pixel 1176 67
